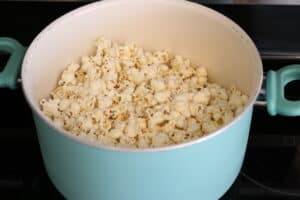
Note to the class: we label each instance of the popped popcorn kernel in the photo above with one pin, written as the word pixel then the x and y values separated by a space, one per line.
pixel 127 97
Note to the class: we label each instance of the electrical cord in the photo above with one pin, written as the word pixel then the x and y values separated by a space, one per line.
pixel 268 188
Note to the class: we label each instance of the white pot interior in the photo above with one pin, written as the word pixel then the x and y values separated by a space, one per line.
pixel 206 37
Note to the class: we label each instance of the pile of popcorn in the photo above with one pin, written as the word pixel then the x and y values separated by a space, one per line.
pixel 127 97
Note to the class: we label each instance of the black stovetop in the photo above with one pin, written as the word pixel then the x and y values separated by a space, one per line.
pixel 271 168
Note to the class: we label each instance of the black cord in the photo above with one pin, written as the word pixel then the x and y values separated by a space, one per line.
pixel 268 188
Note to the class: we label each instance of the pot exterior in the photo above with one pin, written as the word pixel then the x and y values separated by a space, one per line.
pixel 204 170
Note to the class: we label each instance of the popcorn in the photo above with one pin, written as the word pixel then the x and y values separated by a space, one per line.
pixel 68 76
pixel 201 72
pixel 160 140
pixel 172 82
pixel 202 96
pixel 142 142
pixel 158 85
pixel 115 133
pixel 192 125
pixel 126 97
pixel 142 123
pixel 131 129
pixel 150 71
pixel 162 97
pixel 180 122
pixel 178 136
pixel 209 126
pixel 157 119
pixel 50 107
pixel 235 100
pixel 183 108
pixel 135 75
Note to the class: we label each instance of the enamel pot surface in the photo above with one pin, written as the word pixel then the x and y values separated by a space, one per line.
pixel 201 169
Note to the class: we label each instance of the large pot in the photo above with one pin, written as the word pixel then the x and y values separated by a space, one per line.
pixel 201 169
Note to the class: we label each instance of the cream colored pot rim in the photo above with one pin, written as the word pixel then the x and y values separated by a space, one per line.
pixel 90 8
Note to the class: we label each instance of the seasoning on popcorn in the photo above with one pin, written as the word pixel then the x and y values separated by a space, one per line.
pixel 127 97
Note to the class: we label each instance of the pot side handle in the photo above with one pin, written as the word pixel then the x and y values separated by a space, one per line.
pixel 275 83
pixel 10 72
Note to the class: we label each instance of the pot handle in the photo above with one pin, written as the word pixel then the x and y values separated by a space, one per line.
pixel 275 83
pixel 10 72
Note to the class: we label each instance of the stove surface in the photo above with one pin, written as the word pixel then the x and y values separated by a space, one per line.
pixel 271 169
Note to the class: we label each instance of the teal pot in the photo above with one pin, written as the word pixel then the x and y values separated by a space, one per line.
pixel 201 169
